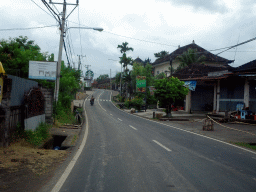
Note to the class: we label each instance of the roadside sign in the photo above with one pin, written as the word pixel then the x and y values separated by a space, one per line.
pixel 141 84
pixel 42 70
pixel 152 90
pixel 191 85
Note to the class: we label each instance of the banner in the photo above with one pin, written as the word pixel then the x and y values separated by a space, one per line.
pixel 152 90
pixel 141 84
pixel 191 85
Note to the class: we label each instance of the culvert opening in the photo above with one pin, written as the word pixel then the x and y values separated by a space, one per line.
pixel 252 144
pixel 57 142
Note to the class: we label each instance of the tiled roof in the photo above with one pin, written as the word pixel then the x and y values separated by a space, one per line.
pixel 209 56
pixel 199 70
pixel 246 67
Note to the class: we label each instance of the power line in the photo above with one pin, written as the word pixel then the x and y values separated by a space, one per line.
pixel 52 11
pixel 66 52
pixel 41 8
pixel 70 39
pixel 28 28
pixel 238 45
pixel 128 37
pixel 80 32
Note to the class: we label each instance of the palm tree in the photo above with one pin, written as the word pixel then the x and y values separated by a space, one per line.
pixel 161 54
pixel 123 48
pixel 125 61
pixel 189 57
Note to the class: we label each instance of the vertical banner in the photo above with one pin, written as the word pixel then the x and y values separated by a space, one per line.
pixel 2 73
pixel 152 90
pixel 141 84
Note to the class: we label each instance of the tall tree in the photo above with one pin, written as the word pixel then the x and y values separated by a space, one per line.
pixel 16 53
pixel 189 57
pixel 124 59
pixel 161 54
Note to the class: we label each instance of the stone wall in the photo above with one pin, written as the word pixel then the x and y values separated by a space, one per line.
pixel 48 104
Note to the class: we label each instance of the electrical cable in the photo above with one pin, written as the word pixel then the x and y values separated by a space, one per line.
pixel 41 8
pixel 52 11
pixel 79 31
pixel 70 39
pixel 28 28
pixel 66 51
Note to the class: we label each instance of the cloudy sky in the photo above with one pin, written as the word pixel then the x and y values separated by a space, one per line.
pixel 148 26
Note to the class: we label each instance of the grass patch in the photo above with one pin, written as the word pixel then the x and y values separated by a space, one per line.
pixel 247 145
pixel 74 139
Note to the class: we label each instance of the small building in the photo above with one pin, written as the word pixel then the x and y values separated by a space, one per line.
pixel 163 64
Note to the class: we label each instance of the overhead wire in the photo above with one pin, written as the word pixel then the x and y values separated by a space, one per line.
pixel 71 42
pixel 70 50
pixel 28 28
pixel 41 8
pixel 54 14
pixel 80 31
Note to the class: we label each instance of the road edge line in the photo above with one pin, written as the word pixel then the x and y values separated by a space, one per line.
pixel 72 163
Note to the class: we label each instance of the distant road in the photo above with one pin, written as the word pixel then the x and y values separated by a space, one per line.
pixel 128 153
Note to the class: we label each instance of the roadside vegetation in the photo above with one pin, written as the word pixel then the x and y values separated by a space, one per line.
pixel 247 145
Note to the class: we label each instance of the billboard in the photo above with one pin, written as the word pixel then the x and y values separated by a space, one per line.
pixel 141 84
pixel 42 70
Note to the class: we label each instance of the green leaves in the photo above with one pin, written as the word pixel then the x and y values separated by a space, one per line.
pixel 15 54
pixel 161 54
pixel 189 57
pixel 169 90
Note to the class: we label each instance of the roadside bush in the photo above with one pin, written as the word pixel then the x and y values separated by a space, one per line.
pixel 137 102
pixel 128 103
pixel 120 98
pixel 37 137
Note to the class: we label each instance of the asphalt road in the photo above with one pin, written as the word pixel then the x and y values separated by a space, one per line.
pixel 124 152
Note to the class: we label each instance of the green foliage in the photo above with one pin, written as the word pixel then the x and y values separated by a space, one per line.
pixel 161 54
pixel 102 77
pixel 245 145
pixel 169 90
pixel 38 136
pixel 16 53
pixel 124 59
pixel 120 98
pixel 161 75
pixel 189 57
pixel 137 102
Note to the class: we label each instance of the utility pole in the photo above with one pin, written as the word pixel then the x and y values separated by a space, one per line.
pixel 57 84
pixel 62 31
pixel 110 80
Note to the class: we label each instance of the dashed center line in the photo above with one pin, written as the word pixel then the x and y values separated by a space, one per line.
pixel 111 114
pixel 167 149
pixel 119 119
pixel 133 127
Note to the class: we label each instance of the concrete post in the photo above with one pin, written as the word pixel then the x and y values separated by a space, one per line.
pixel 218 97
pixel 188 102
pixel 214 97
pixel 246 93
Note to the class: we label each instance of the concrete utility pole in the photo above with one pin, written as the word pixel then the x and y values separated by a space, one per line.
pixel 79 62
pixel 110 81
pixel 62 31
pixel 57 84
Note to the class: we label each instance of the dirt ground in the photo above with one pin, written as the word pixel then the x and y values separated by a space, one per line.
pixel 24 168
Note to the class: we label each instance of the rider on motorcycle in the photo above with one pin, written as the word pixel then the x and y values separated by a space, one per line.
pixel 92 100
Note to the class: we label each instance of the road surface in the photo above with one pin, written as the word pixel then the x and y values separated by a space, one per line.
pixel 124 152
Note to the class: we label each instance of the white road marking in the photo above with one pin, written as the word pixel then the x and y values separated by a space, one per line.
pixel 167 149
pixel 119 119
pixel 191 132
pixel 72 163
pixel 133 127
pixel 111 114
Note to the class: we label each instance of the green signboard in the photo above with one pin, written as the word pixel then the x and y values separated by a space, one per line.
pixel 141 84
